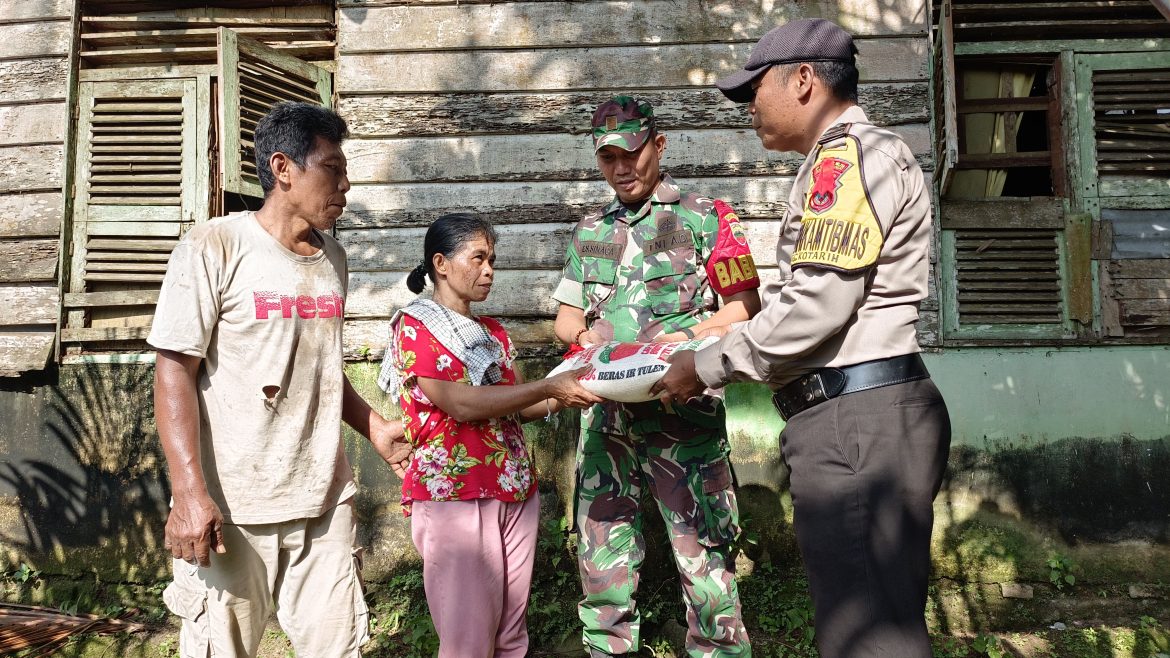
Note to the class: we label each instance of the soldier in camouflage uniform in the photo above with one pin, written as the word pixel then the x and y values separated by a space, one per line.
pixel 648 266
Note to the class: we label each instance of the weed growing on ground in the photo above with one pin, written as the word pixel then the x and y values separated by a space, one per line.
pixel 1060 571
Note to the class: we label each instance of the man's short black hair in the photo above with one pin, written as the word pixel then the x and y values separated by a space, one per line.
pixel 839 77
pixel 292 129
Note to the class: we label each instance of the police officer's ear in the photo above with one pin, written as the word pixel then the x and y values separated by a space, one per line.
pixel 802 80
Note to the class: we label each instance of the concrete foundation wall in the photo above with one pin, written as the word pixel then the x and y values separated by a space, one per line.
pixel 1055 452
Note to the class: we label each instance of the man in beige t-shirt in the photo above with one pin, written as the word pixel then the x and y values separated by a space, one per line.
pixel 867 432
pixel 250 395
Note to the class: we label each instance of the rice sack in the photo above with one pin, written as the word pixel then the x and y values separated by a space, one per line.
pixel 624 372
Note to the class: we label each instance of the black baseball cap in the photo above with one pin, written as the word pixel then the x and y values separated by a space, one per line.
pixel 805 40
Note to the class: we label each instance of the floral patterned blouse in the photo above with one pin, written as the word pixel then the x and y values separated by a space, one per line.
pixel 454 460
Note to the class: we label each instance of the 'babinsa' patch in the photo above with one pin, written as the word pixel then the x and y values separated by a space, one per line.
pixel 839 229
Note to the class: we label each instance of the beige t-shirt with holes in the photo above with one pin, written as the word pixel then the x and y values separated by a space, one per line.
pixel 267 324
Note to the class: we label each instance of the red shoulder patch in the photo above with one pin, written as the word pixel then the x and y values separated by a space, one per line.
pixel 826 176
pixel 730 268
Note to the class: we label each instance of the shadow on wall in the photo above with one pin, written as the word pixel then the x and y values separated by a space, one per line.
pixel 84 470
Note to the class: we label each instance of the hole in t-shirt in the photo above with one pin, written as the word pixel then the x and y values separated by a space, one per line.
pixel 270 392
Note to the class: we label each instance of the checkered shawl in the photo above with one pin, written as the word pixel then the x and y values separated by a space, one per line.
pixel 467 339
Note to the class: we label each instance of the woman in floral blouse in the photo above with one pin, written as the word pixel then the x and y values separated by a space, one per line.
pixel 469 486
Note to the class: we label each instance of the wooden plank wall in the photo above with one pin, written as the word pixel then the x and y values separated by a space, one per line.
pixel 484 106
pixel 34 62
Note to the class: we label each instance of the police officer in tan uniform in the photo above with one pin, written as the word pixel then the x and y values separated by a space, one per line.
pixel 867 432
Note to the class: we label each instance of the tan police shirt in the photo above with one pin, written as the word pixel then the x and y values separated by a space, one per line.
pixel 853 257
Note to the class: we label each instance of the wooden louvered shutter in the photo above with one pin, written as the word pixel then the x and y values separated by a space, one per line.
pixel 253 78
pixel 1006 259
pixel 1125 172
pixel 138 189
pixel 1131 124
pixel 946 124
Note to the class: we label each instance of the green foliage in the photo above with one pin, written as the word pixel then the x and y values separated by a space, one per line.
pixel 168 648
pixel 25 574
pixel 749 537
pixel 400 623
pixel 988 645
pixel 1060 571
pixel 783 610
pixel 1152 637
pixel 949 647
pixel 552 604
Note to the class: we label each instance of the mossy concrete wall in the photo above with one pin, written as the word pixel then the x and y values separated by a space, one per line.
pixel 1055 452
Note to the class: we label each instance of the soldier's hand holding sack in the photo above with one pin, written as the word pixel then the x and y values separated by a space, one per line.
pixel 624 372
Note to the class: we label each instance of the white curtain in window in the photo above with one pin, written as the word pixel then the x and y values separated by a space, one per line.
pixel 989 132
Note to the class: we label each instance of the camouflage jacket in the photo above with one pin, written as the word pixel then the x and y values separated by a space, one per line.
pixel 638 273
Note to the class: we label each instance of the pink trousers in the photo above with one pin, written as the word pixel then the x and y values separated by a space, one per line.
pixel 477 568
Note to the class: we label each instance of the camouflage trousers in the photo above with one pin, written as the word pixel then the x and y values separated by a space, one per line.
pixel 681 456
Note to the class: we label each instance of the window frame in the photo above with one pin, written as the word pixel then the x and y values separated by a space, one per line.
pixel 1083 253
pixel 77 340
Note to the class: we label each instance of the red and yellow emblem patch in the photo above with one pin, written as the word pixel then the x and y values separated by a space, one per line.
pixel 839 229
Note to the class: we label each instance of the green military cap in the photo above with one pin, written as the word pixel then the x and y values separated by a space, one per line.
pixel 622 121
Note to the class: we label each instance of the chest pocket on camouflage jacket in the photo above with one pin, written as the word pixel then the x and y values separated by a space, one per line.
pixel 600 261
pixel 670 272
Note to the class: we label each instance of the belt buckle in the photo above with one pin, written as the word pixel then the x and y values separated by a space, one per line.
pixel 781 408
pixel 812 390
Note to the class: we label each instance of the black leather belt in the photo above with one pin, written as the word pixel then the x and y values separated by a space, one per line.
pixel 827 383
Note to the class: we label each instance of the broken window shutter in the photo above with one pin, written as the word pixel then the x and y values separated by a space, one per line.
pixel 1131 114
pixel 1129 141
pixel 1006 258
pixel 943 85
pixel 253 78
pixel 138 189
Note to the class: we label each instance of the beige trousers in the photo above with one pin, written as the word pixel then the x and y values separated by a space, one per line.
pixel 307 570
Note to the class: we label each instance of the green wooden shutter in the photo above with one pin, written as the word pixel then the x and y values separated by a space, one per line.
pixel 1125 175
pixel 138 188
pixel 253 78
pixel 1006 259
pixel 945 116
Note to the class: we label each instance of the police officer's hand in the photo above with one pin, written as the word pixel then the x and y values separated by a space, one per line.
pixel 680 383
pixel 389 440
pixel 194 528
pixel 569 392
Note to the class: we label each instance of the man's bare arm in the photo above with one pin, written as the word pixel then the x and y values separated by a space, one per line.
pixel 195 525
pixel 387 436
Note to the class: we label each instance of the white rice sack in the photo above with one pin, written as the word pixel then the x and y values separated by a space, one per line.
pixel 624 372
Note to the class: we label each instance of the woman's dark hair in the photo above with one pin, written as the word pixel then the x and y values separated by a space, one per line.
pixel 446 236
pixel 292 129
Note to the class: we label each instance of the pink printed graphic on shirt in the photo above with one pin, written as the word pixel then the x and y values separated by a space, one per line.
pixel 306 307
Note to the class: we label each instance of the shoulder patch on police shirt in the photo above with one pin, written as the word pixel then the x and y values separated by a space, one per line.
pixel 839 229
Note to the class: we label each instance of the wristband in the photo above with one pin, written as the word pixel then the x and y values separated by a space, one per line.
pixel 577 336
pixel 688 333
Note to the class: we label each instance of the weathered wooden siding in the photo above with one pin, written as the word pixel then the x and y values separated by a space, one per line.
pixel 485 106
pixel 34 64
